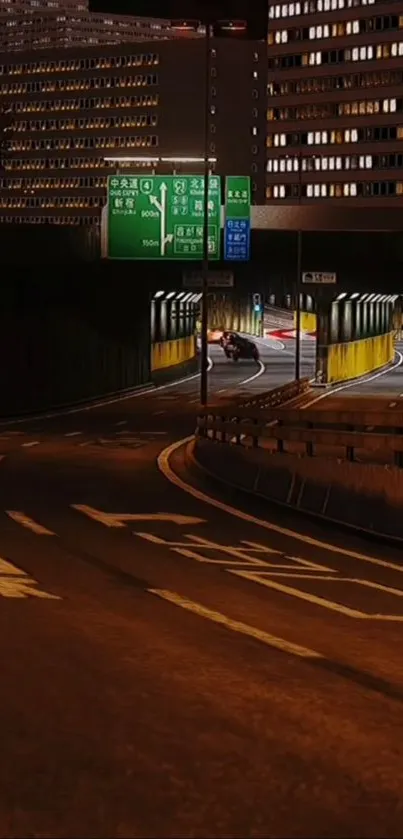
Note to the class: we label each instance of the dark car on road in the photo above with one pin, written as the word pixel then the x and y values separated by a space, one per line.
pixel 236 347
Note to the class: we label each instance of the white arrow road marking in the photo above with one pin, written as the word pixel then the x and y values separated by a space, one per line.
pixel 120 519
pixel 161 207
pixel 30 524
pixel 17 584
pixel 235 626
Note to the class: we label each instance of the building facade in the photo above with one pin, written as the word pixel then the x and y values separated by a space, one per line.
pixel 335 103
pixel 39 24
pixel 70 109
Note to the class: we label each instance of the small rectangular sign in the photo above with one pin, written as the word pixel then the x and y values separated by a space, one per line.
pixel 237 219
pixel 319 277
pixel 216 279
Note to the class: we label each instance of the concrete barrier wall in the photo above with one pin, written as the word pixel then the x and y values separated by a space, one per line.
pixel 368 497
pixel 308 321
pixel 356 358
pixel 171 353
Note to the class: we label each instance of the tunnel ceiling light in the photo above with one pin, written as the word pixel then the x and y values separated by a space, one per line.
pixel 132 159
pixel 355 295
pixel 363 297
pixel 187 160
pixel 394 298
pixel 376 298
pixel 170 294
pixel 370 298
pixel 158 294
pixel 342 295
pixel 186 297
pixel 180 295
pixel 197 297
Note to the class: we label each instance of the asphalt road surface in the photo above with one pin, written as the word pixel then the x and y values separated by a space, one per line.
pixel 177 661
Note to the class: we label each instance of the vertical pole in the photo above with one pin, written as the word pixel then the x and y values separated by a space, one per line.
pixel 299 270
pixel 298 309
pixel 205 266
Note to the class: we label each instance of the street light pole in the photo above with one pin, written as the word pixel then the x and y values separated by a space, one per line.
pixel 205 265
pixel 298 278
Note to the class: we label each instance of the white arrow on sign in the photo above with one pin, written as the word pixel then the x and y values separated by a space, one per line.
pixel 120 519
pixel 161 207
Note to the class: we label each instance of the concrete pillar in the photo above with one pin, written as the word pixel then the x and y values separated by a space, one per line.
pixel 371 320
pixel 346 321
pixel 334 322
pixel 323 319
pixel 152 321
pixel 378 318
pixel 364 319
pixel 357 320
pixel 163 321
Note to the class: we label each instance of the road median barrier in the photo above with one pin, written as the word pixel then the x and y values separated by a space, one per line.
pixel 345 466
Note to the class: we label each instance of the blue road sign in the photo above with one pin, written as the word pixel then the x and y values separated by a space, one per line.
pixel 237 240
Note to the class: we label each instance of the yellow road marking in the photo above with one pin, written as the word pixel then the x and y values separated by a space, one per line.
pixel 235 626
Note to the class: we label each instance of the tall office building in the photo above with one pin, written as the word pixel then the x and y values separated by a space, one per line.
pixel 71 109
pixel 39 24
pixel 335 103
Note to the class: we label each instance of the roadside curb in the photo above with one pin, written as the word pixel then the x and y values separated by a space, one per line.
pixel 193 463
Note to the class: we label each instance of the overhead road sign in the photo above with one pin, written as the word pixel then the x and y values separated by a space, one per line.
pixel 319 277
pixel 237 219
pixel 216 279
pixel 161 217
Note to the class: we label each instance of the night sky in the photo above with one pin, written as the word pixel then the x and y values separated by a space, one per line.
pixel 215 9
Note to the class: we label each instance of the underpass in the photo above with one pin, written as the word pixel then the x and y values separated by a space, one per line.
pixel 208 637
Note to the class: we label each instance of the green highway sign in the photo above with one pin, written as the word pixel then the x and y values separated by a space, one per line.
pixel 237 218
pixel 161 217
pixel 237 197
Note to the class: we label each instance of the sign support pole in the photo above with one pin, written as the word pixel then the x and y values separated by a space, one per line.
pixel 205 265
pixel 298 309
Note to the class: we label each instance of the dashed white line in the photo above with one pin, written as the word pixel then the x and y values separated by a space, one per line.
pixel 158 413
pixel 29 523
pixel 235 626
pixel 122 422
pixel 73 434
pixel 29 445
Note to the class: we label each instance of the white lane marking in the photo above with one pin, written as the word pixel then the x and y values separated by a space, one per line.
pixel 235 626
pixel 119 519
pixel 255 376
pixel 10 570
pixel 122 422
pixel 163 462
pixel 73 434
pixel 193 401
pixel 29 445
pixel 17 584
pixel 301 595
pixel 358 383
pixel 158 413
pixel 102 403
pixel 30 524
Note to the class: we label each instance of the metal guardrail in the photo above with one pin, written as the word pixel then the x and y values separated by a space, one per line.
pixel 275 397
pixel 376 431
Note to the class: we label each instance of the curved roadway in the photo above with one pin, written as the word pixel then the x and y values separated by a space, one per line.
pixel 178 661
